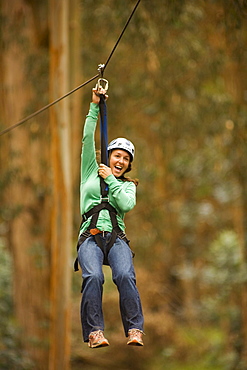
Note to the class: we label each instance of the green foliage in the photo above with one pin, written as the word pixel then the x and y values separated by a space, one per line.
pixel 225 253
pixel 217 316
pixel 225 277
pixel 11 354
pixel 226 271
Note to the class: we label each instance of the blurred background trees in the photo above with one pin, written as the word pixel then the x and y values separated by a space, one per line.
pixel 178 91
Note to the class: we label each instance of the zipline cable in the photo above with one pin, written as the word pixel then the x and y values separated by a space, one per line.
pixel 47 106
pixel 103 67
pixel 118 40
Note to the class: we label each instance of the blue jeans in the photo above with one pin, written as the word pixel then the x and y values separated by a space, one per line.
pixel 91 257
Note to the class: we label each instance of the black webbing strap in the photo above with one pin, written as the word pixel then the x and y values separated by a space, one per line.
pixel 96 209
pixel 103 142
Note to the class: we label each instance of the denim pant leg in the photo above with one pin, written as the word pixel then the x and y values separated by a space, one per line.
pixel 90 258
pixel 123 274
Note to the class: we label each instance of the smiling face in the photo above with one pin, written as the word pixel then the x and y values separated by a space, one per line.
pixel 119 162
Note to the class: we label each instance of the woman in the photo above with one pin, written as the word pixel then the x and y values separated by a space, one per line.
pixel 94 242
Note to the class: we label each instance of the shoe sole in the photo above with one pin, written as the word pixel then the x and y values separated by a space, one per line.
pixel 99 345
pixel 135 343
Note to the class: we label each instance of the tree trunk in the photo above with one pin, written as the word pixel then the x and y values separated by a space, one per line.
pixel 26 192
pixel 61 227
pixel 75 99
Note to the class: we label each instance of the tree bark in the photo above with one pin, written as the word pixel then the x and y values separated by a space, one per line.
pixel 61 223
pixel 26 192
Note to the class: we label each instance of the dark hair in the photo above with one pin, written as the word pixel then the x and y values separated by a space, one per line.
pixel 123 178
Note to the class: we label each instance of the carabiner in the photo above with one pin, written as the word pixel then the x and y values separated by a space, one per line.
pixel 102 84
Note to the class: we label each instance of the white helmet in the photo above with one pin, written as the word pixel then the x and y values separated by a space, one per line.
pixel 124 144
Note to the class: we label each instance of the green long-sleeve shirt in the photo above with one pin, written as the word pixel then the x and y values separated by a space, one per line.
pixel 122 194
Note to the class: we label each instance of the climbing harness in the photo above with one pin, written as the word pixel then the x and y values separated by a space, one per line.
pixel 104 199
pixel 93 231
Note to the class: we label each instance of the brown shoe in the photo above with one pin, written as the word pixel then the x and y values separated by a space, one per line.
pixel 135 337
pixel 97 339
